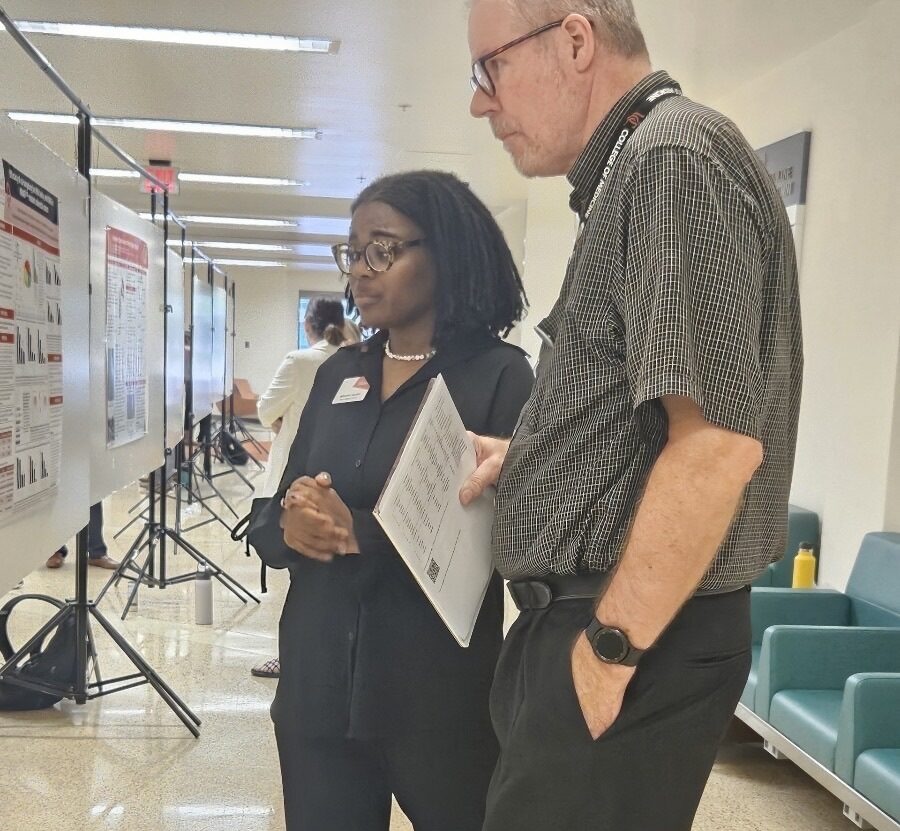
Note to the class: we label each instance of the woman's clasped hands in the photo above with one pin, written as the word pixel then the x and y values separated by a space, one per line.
pixel 315 520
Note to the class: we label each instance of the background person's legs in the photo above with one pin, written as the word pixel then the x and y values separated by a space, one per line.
pixel 97 551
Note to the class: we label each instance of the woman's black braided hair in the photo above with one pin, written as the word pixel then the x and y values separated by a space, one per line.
pixel 478 287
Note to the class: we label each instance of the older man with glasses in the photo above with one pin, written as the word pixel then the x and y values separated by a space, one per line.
pixel 646 485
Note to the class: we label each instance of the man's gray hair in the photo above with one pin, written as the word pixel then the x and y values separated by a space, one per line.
pixel 615 22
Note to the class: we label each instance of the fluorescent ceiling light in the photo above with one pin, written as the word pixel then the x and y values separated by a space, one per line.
pixel 43 118
pixel 251 263
pixel 307 266
pixel 188 37
pixel 312 250
pixel 233 246
pixel 114 173
pixel 209 178
pixel 326 226
pixel 262 181
pixel 175 126
pixel 247 221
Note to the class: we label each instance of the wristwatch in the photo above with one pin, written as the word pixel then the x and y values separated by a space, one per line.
pixel 611 645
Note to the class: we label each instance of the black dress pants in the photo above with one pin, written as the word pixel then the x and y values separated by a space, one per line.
pixel 648 771
pixel 335 784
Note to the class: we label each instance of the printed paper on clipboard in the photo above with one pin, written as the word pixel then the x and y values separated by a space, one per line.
pixel 446 546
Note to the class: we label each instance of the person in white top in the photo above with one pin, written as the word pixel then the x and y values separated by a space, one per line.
pixel 281 405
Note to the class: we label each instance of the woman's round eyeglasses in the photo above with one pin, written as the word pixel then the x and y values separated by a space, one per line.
pixel 379 256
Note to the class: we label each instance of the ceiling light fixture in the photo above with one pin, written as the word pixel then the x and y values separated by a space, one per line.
pixel 247 221
pixel 204 178
pixel 174 126
pixel 234 246
pixel 261 181
pixel 251 263
pixel 312 250
pixel 186 37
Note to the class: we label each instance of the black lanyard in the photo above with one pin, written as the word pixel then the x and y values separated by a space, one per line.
pixel 627 129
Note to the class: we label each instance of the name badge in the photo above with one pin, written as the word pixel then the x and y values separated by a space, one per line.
pixel 353 389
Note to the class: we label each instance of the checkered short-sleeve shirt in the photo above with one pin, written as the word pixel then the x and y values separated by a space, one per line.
pixel 682 282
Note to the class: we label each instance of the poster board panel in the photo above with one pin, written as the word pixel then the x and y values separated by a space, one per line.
pixel 220 337
pixel 230 341
pixel 58 205
pixel 202 345
pixel 174 380
pixel 126 347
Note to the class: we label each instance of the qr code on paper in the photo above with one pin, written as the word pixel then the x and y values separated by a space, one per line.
pixel 433 571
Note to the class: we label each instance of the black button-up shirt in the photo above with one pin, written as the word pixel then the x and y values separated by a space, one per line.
pixel 363 653
pixel 683 282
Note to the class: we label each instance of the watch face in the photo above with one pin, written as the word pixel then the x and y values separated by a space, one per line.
pixel 610 645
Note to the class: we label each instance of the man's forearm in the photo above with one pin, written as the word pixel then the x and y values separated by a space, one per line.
pixel 690 500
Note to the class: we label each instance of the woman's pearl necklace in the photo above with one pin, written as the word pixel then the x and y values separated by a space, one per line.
pixel 408 358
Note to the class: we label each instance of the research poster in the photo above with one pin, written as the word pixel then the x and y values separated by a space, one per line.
pixel 127 264
pixel 31 319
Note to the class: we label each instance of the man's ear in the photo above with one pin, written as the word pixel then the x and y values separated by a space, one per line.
pixel 581 42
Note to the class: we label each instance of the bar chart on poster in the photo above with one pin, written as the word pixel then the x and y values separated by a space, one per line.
pixel 31 339
pixel 44 459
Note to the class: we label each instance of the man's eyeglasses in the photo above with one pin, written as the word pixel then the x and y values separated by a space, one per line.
pixel 481 78
pixel 378 256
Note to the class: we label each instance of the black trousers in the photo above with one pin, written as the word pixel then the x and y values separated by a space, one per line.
pixel 334 784
pixel 648 771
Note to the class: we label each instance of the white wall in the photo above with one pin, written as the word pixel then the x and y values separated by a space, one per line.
pixel 846 91
pixel 267 317
pixel 549 236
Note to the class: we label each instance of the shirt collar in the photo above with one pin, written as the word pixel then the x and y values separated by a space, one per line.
pixel 587 170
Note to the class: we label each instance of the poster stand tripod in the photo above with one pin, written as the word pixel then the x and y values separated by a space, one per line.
pixel 205 449
pixel 157 533
pixel 81 689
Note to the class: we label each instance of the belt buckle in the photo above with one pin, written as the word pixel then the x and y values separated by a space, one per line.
pixel 530 594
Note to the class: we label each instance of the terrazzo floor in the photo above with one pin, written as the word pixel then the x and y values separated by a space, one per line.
pixel 126 762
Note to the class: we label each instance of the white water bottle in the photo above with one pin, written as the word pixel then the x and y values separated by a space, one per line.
pixel 203 599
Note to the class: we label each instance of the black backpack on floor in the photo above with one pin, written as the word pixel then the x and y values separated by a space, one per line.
pixel 233 450
pixel 52 661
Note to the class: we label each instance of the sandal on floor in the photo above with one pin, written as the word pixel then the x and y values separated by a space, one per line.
pixel 267 669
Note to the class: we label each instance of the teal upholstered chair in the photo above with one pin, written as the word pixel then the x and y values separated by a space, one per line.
pixel 872 599
pixel 803 526
pixel 868 745
pixel 802 674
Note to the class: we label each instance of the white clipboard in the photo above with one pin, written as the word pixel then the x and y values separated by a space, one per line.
pixel 446 546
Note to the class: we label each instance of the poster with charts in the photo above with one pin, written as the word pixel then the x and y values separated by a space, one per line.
pixel 31 318
pixel 127 263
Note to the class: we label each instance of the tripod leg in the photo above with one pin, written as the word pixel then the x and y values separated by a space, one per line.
pixel 217 571
pixel 127 562
pixel 82 626
pixel 165 692
pixel 136 518
pixel 202 500
pixel 218 493
pixel 244 479
pixel 132 595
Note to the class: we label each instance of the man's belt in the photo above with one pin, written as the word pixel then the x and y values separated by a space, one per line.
pixel 540 592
